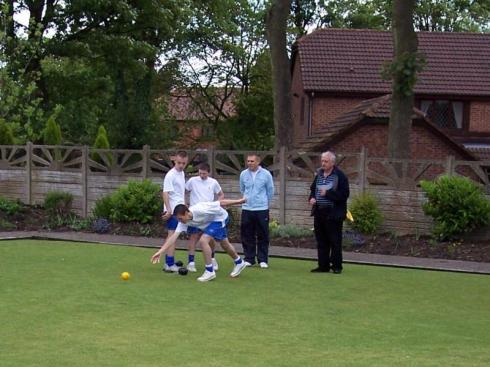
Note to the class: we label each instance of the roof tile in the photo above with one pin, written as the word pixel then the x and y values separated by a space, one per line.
pixel 346 60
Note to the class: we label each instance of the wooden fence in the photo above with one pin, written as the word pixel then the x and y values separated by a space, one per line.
pixel 29 172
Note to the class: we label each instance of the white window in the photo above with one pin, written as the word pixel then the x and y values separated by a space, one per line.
pixel 444 113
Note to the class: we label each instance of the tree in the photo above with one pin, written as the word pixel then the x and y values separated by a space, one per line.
pixel 403 71
pixel 52 131
pixel 253 126
pixel 276 31
pixel 6 136
pixel 101 142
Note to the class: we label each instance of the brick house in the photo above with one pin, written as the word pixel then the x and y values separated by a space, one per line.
pixel 337 85
pixel 196 116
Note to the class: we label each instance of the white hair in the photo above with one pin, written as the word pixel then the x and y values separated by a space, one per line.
pixel 330 154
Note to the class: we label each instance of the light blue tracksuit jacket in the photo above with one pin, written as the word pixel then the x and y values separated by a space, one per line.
pixel 259 192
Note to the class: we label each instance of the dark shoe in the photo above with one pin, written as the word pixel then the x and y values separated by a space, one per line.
pixel 319 270
pixel 337 271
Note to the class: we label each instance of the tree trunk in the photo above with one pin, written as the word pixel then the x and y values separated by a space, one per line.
pixel 276 28
pixel 405 45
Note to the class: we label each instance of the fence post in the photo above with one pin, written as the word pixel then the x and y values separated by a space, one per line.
pixel 211 161
pixel 450 165
pixel 146 158
pixel 85 171
pixel 282 183
pixel 29 173
pixel 362 169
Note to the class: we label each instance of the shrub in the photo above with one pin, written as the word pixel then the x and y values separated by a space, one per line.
pixel 101 142
pixel 6 135
pixel 136 201
pixel 52 132
pixel 366 213
pixel 101 225
pixel 58 203
pixel 103 207
pixel 288 230
pixel 457 205
pixel 9 207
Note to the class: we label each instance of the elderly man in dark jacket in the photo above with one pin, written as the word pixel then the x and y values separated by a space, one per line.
pixel 329 193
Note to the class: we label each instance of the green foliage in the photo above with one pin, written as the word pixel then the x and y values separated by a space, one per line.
pixel 58 203
pixel 52 132
pixel 253 126
pixel 404 72
pixel 101 142
pixel 103 207
pixel 366 213
pixel 288 230
pixel 457 205
pixel 136 201
pixel 6 135
pixel 9 207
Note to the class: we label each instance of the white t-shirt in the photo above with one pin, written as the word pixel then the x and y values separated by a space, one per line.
pixel 203 214
pixel 174 185
pixel 202 190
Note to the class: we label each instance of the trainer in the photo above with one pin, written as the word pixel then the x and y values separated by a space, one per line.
pixel 328 195
pixel 257 186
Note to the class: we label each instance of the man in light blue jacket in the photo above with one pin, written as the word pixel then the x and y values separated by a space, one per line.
pixel 257 186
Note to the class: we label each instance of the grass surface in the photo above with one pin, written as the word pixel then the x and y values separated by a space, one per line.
pixel 63 304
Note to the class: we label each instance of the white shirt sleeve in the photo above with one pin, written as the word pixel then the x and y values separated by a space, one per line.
pixel 168 182
pixel 217 187
pixel 181 227
pixel 188 184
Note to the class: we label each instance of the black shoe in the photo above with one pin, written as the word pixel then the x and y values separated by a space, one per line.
pixel 337 271
pixel 319 270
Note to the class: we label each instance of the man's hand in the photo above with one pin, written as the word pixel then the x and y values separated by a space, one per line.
pixel 156 257
pixel 166 216
pixel 312 201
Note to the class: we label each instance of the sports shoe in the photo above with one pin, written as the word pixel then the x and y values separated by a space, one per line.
pixel 248 264
pixel 238 269
pixel 207 276
pixel 215 264
pixel 171 269
pixel 264 265
pixel 191 267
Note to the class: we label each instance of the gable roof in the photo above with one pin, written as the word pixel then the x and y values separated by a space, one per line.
pixel 374 109
pixel 350 60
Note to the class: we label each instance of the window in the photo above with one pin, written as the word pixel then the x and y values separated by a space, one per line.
pixel 444 113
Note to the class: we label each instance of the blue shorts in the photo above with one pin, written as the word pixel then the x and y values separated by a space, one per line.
pixel 193 230
pixel 216 230
pixel 172 223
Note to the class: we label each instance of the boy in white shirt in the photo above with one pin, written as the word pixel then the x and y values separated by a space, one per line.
pixel 202 188
pixel 173 194
pixel 211 219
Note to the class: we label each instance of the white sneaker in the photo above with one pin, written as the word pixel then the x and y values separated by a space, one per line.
pixel 207 276
pixel 171 269
pixel 215 264
pixel 191 267
pixel 238 269
pixel 264 265
pixel 247 263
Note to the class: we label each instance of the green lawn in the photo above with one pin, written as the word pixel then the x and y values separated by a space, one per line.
pixel 63 304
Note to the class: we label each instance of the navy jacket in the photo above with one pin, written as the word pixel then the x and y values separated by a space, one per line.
pixel 338 195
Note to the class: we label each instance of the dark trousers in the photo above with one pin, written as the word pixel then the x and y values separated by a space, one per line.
pixel 328 233
pixel 255 235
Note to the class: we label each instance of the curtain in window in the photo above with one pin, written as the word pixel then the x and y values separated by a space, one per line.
pixel 458 114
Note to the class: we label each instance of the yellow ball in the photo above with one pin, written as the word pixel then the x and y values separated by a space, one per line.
pixel 125 276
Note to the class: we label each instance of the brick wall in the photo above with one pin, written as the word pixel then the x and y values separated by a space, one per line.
pixel 479 117
pixel 326 109
pixel 424 144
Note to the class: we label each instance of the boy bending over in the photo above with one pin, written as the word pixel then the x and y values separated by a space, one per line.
pixel 211 219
